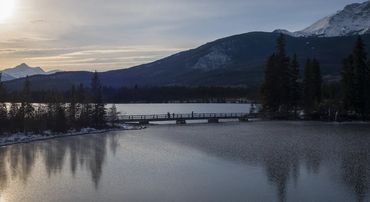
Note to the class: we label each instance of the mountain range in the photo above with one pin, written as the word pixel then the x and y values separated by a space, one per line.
pixel 352 20
pixel 22 71
pixel 233 61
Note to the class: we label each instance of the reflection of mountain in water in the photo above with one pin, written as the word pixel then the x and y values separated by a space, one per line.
pixel 287 148
pixel 18 161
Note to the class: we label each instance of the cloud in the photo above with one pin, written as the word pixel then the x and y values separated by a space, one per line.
pixel 106 34
pixel 84 58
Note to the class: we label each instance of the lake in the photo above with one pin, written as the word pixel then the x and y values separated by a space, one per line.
pixel 255 161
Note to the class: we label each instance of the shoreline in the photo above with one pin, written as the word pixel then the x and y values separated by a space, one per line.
pixel 20 138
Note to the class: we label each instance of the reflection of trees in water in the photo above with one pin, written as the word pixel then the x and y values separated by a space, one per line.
pixel 283 158
pixel 97 159
pixel 3 170
pixel 113 143
pixel 22 160
pixel 284 151
pixel 280 166
pixel 54 156
pixel 89 153
pixel 356 168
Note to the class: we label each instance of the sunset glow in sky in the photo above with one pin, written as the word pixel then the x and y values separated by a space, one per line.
pixel 111 34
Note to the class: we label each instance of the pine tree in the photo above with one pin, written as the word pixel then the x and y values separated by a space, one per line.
pixel 276 86
pixel 355 80
pixel 81 101
pixel 60 119
pixel 3 118
pixel 270 89
pixel 3 109
pixel 26 111
pixel 283 65
pixel 308 103
pixel 72 109
pixel 2 90
pixel 113 115
pixel 14 118
pixel 99 112
pixel 40 123
pixel 295 91
pixel 317 80
pixel 348 87
pixel 367 89
pixel 360 76
pixel 312 84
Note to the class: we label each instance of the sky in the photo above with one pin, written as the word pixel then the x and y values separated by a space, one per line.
pixel 113 34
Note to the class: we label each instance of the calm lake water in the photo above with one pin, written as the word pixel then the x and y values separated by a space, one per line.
pixel 256 161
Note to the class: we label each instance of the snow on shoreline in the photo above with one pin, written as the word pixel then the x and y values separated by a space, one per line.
pixel 19 138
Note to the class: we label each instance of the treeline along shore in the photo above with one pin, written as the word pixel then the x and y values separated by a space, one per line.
pixel 85 109
pixel 149 94
pixel 288 93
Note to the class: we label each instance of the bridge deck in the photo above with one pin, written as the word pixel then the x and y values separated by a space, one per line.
pixel 179 117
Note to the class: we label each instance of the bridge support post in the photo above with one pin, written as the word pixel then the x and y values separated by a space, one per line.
pixel 213 120
pixel 180 121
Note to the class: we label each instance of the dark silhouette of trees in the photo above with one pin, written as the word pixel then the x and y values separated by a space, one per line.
pixel 26 110
pixel 281 90
pixel 349 99
pixel 113 115
pixel 270 89
pixel 73 108
pixel 312 84
pixel 84 109
pixel 356 81
pixel 3 109
pixel 294 86
pixel 99 112
pixel 2 90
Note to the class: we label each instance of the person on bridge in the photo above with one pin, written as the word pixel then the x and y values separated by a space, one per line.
pixel 169 115
pixel 192 114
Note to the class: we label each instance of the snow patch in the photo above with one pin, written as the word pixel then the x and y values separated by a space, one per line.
pixel 216 59
pixel 17 138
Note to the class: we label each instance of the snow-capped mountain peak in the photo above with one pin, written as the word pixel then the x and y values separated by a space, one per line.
pixel 352 20
pixel 23 70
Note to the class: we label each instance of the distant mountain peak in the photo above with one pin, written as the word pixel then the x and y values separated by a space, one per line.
pixel 354 19
pixel 23 70
pixel 24 66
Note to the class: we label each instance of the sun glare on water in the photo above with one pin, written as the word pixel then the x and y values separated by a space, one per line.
pixel 7 8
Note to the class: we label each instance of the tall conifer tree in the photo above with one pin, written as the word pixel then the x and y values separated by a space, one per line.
pixel 312 84
pixel 294 91
pixel 355 80
pixel 99 112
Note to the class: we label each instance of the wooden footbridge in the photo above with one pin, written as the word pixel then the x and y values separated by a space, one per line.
pixel 182 118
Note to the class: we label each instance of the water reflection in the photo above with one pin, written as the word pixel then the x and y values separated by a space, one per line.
pixel 17 161
pixel 356 168
pixel 286 149
pixel 287 153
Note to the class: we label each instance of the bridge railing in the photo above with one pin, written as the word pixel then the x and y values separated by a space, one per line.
pixel 182 116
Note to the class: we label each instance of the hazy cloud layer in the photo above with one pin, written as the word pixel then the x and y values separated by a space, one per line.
pixel 108 34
